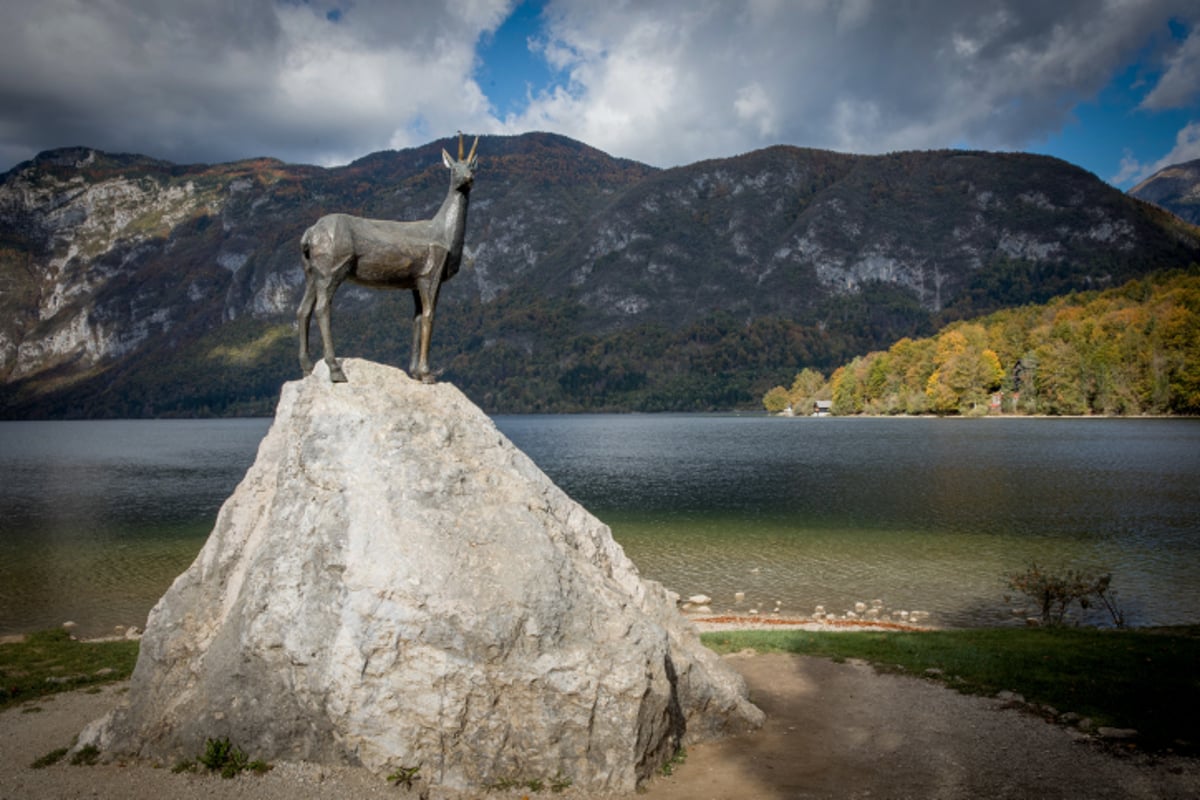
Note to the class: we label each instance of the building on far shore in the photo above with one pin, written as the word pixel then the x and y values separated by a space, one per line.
pixel 822 408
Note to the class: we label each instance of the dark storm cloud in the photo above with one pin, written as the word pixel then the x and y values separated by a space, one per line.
pixel 232 79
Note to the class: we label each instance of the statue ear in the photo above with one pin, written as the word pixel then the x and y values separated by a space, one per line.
pixel 446 159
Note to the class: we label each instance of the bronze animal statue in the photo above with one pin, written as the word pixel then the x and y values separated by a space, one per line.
pixel 386 254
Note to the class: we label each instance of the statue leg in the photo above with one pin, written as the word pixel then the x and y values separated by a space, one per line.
pixel 303 316
pixel 429 295
pixel 415 359
pixel 324 308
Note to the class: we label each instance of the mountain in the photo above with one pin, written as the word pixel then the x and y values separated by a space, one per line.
pixel 1175 188
pixel 134 287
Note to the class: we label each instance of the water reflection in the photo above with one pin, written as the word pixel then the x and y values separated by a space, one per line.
pixel 97 518
pixel 921 513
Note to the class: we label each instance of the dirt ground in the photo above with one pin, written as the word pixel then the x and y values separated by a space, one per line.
pixel 834 730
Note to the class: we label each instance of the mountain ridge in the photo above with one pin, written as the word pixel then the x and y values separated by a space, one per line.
pixel 1175 188
pixel 133 287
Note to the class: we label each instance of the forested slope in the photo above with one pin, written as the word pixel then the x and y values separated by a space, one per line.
pixel 1134 349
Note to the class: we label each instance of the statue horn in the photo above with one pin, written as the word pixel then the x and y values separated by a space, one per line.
pixel 460 145
pixel 473 146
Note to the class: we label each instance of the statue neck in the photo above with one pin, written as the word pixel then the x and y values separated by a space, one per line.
pixel 452 218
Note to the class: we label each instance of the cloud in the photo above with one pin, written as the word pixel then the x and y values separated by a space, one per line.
pixel 1179 85
pixel 679 80
pixel 315 81
pixel 669 82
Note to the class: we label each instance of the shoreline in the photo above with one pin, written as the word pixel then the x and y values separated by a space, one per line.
pixel 709 623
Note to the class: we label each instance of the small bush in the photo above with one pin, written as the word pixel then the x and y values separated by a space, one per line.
pixel 404 776
pixel 85 756
pixel 1055 594
pixel 53 757
pixel 220 755
pixel 674 762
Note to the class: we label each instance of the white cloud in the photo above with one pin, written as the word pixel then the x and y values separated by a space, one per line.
pixel 753 106
pixel 668 82
pixel 862 77
pixel 1131 170
pixel 1179 85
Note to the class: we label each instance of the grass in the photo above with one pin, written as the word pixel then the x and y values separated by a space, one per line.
pixel 51 661
pixel 1141 679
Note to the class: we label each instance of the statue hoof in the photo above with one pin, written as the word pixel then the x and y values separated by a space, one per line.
pixel 335 373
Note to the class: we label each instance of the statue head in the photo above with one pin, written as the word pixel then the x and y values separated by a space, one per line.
pixel 462 170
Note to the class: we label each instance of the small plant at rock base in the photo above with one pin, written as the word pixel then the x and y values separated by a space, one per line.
pixel 53 757
pixel 674 762
pixel 502 785
pixel 535 785
pixel 85 756
pixel 184 765
pixel 560 783
pixel 220 755
pixel 404 776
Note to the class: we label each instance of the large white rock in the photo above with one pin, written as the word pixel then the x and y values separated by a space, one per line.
pixel 395 584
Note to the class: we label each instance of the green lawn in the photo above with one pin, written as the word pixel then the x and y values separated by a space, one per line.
pixel 1143 679
pixel 51 661
pixel 1146 679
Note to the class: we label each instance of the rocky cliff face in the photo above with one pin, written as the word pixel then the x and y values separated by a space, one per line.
pixel 133 287
pixel 395 584
pixel 1175 188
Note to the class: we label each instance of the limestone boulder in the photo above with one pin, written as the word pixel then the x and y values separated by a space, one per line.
pixel 395 584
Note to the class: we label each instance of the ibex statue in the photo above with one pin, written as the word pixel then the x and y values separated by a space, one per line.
pixel 384 254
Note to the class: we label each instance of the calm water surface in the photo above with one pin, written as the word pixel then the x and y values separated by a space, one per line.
pixel 97 518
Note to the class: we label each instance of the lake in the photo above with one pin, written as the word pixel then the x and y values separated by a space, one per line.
pixel 97 518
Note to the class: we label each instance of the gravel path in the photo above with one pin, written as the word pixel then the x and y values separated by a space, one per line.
pixel 833 731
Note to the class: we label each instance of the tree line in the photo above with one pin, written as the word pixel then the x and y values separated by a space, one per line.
pixel 1130 350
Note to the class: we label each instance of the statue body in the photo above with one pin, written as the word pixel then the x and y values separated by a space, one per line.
pixel 386 254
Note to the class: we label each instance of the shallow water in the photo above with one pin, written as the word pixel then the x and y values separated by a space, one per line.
pixel 97 518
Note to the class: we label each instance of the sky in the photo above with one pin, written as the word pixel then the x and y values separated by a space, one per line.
pixel 1110 85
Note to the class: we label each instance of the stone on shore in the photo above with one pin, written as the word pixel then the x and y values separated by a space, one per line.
pixel 395 584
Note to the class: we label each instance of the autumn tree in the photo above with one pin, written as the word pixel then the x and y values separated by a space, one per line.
pixel 808 387
pixel 965 372
pixel 776 400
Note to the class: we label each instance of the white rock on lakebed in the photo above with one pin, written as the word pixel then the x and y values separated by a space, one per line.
pixel 393 584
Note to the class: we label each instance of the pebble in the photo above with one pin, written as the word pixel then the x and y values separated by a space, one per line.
pixel 1116 733
pixel 699 599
